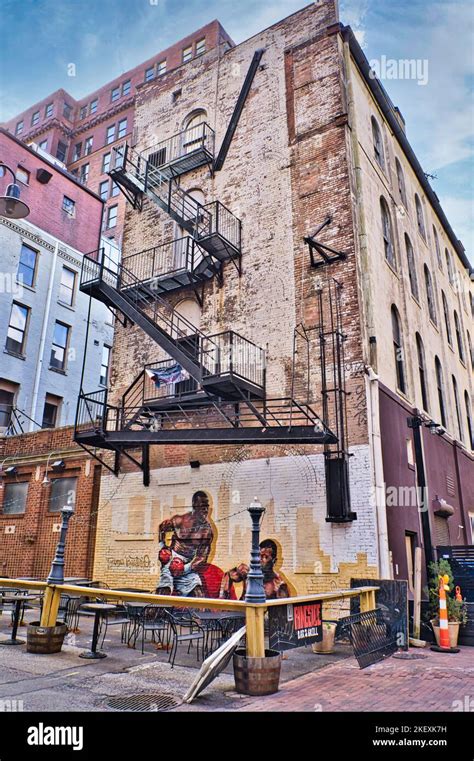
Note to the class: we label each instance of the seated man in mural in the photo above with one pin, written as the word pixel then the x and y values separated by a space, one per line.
pixel 187 551
pixel 274 584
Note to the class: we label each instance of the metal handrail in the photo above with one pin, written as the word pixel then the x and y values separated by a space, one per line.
pixel 173 148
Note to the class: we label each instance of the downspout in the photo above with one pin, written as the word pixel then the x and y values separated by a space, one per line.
pixel 44 330
pixel 372 384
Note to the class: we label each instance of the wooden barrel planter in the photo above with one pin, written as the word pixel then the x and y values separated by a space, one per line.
pixel 45 639
pixel 257 676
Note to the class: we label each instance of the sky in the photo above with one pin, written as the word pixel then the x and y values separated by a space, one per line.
pixel 105 38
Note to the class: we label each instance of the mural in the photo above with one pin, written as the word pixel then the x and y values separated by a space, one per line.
pixel 185 543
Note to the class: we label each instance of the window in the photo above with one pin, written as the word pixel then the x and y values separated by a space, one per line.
pixel 122 128
pixel 112 216
pixel 61 151
pixel 105 366
pixel 410 545
pixel 43 145
pixel 449 266
pixel 84 173
pixel 387 233
pixel 458 408
pixel 437 248
pixel 110 135
pixel 411 267
pixel 115 190
pixel 27 266
pixel 377 143
pixel 35 118
pixel 419 217
pixel 470 428
pixel 201 46
pixel 59 347
pixel 430 295
pixel 126 87
pixel 119 156
pixel 48 111
pixel 16 333
pixel 51 411
pixel 193 137
pixel 66 286
pixel 88 145
pixel 470 348
pixel 115 94
pixel 14 499
pixel 422 371
pixel 161 68
pixel 19 128
pixel 401 183
pixel 23 175
pixel 187 54
pixel 67 111
pixel 7 401
pixel 77 152
pixel 398 350
pixel 93 106
pixel 149 74
pixel 69 206
pixel 83 112
pixel 440 386
pixel 459 341
pixel 104 189
pixel 105 163
pixel 63 492
pixel 447 321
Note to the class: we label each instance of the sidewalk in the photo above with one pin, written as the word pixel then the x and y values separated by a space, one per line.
pixel 437 682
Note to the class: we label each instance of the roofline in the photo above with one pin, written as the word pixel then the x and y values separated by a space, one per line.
pixel 386 106
pixel 56 168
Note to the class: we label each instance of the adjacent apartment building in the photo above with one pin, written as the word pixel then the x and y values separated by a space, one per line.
pixel 82 134
pixel 299 322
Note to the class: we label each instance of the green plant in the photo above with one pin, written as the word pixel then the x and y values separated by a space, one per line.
pixel 457 611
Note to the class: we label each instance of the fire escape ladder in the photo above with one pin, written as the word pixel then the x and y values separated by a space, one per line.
pixel 239 107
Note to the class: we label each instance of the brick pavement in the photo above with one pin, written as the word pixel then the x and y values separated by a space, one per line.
pixel 431 684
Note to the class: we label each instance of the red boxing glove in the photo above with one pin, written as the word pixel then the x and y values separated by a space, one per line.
pixel 164 556
pixel 176 567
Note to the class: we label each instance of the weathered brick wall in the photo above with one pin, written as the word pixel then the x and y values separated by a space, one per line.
pixel 28 541
pixel 286 170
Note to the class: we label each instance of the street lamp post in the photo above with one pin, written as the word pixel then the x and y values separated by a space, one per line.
pixel 255 592
pixel 56 574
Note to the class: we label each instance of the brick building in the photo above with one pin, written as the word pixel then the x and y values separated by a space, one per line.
pixel 41 473
pixel 81 134
pixel 282 243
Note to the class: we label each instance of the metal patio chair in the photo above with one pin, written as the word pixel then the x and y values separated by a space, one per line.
pixel 179 621
pixel 152 619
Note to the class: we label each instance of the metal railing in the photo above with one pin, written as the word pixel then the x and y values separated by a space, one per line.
pixel 221 222
pixel 174 256
pixel 178 391
pixel 230 353
pixel 195 139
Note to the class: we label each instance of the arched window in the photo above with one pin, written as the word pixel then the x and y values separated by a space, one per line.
pixel 467 404
pixel 194 131
pixel 398 352
pixel 378 143
pixel 449 266
pixel 411 267
pixel 401 183
pixel 430 295
pixel 422 371
pixel 440 386
pixel 419 216
pixel 459 341
pixel 437 248
pixel 447 321
pixel 389 248
pixel 470 348
pixel 458 408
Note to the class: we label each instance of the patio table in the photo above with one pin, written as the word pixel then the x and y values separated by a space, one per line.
pixel 18 601
pixel 99 609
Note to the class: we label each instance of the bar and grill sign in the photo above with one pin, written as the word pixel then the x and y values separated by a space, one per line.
pixel 295 625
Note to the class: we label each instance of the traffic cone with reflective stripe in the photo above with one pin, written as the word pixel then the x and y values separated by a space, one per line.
pixel 444 643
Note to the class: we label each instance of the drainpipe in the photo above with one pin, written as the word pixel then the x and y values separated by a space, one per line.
pixel 373 424
pixel 44 330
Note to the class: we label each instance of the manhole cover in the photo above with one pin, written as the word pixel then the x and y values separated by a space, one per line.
pixel 142 702
pixel 409 656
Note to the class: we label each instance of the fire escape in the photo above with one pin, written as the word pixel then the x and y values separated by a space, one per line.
pixel 220 396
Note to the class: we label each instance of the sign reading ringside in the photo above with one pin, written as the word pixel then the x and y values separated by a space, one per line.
pixel 291 626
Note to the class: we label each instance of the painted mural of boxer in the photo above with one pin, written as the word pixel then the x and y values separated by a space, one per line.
pixel 188 551
pixel 274 584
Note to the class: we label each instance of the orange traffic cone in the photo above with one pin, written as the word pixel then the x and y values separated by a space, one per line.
pixel 444 643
